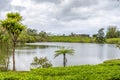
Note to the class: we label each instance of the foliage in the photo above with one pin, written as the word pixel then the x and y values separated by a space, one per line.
pixel 32 32
pixel 100 36
pixel 113 40
pixel 5 43
pixel 41 63
pixel 84 72
pixel 63 52
pixel 14 27
pixel 25 37
pixel 112 62
pixel 112 32
pixel 43 36
pixel 118 44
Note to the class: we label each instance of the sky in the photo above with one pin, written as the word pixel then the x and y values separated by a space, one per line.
pixel 65 16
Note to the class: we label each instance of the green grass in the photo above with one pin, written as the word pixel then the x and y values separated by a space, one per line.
pixel 112 62
pixel 103 71
pixel 70 39
pixel 112 40
pixel 80 39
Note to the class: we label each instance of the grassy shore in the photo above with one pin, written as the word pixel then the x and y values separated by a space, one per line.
pixel 109 70
pixel 80 39
pixel 71 39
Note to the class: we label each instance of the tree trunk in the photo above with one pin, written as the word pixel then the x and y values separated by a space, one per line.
pixel 64 60
pixel 7 57
pixel 14 44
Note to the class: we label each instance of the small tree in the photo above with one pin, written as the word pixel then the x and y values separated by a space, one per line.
pixel 14 27
pixel 41 63
pixel 63 52
pixel 100 36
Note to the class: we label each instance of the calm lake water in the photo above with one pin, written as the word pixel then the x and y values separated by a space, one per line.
pixel 85 53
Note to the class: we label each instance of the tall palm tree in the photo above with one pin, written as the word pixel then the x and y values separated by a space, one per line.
pixel 63 52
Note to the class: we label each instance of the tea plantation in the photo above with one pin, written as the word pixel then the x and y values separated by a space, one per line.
pixel 109 70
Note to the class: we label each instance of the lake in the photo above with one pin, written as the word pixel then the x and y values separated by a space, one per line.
pixel 85 53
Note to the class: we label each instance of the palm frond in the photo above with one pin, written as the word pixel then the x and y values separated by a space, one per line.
pixel 64 51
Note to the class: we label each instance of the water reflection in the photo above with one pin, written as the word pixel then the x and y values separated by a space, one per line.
pixel 5 53
pixel 85 53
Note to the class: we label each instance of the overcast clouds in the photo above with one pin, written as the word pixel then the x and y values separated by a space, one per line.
pixel 65 16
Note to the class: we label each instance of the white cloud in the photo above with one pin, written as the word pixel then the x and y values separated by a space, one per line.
pixel 65 16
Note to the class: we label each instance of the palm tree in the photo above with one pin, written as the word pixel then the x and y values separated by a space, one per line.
pixel 63 52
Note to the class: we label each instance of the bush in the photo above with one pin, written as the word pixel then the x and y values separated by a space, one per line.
pixel 41 63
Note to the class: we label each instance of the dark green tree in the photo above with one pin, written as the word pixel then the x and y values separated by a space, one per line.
pixel 112 32
pixel 43 36
pixel 31 32
pixel 100 38
pixel 14 27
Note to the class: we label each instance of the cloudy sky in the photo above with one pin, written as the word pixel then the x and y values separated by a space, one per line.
pixel 65 16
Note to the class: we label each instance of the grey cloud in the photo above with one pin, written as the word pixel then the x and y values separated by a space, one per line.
pixel 93 8
pixel 73 16
pixel 111 5
pixel 66 12
pixel 19 8
pixel 84 3
pixel 51 1
pixel 5 5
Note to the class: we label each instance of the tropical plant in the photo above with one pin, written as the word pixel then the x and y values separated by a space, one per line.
pixel 100 36
pixel 63 52
pixel 41 63
pixel 14 27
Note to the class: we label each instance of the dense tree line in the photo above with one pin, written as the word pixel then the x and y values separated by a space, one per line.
pixel 112 32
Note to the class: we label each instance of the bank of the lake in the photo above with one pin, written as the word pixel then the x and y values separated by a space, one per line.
pixel 71 39
pixel 109 70
pixel 79 39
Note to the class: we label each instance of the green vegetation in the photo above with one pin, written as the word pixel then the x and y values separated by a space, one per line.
pixel 85 72
pixel 112 32
pixel 118 45
pixel 41 62
pixel 113 40
pixel 12 24
pixel 112 62
pixel 100 38
pixel 63 52
pixel 71 39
